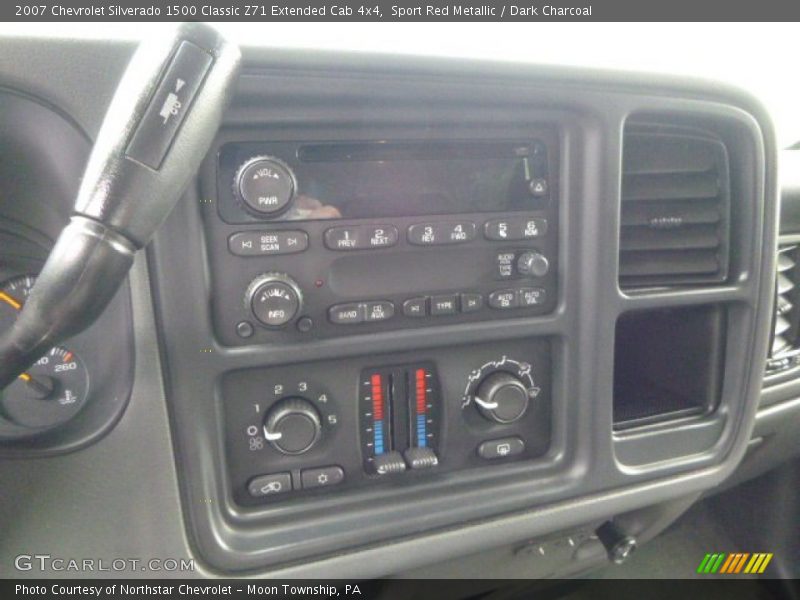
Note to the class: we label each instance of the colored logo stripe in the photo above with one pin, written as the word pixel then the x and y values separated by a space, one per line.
pixel 735 562
pixel 758 563
pixel 711 562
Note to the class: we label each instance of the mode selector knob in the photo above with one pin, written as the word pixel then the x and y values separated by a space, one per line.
pixel 274 299
pixel 293 426
pixel 533 263
pixel 502 398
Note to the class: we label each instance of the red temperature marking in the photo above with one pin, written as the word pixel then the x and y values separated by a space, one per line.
pixel 377 397
pixel 420 375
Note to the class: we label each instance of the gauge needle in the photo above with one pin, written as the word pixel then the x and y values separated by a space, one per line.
pixel 41 388
pixel 10 301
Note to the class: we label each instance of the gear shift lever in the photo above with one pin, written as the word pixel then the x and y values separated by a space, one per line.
pixel 158 128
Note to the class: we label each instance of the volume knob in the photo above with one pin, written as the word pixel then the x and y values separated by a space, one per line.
pixel 265 186
pixel 274 299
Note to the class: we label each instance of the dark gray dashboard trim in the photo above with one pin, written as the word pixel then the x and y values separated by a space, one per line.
pixel 230 539
pixel 154 513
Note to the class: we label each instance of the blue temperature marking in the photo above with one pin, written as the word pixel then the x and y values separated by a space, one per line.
pixel 422 439
pixel 379 437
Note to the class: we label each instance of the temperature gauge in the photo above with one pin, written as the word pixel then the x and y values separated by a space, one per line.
pixel 52 390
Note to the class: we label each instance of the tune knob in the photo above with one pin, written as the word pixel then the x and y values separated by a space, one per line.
pixel 502 398
pixel 293 426
pixel 533 263
pixel 265 186
pixel 274 299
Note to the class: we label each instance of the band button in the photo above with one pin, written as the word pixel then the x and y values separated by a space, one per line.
pixel 347 314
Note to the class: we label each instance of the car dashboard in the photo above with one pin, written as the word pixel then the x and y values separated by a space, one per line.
pixel 410 314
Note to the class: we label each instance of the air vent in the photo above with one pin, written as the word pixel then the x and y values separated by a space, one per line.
pixel 675 207
pixel 785 350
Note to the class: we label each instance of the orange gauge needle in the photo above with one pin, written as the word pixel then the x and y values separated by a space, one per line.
pixel 40 387
pixel 10 301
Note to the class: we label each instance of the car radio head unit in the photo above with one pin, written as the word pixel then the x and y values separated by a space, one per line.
pixel 357 180
pixel 320 239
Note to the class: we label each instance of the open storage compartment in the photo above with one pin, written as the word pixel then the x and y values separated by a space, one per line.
pixel 668 363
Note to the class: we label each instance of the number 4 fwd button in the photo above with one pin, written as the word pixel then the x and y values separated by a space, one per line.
pixel 321 477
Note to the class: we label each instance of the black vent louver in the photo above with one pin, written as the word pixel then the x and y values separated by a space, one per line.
pixel 785 350
pixel 675 209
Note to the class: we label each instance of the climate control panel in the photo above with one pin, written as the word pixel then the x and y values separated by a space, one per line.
pixel 362 422
pixel 400 414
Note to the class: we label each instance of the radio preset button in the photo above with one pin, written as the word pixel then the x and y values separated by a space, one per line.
pixel 498 229
pixel 438 234
pixel 504 299
pixel 471 302
pixel 444 305
pixel 266 243
pixel 415 307
pixel 379 311
pixel 456 233
pixel 532 296
pixel 514 229
pixel 533 228
pixel 347 314
pixel 361 237
pixel 344 238
pixel 382 236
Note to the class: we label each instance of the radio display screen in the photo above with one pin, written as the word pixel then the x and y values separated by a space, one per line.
pixel 403 179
